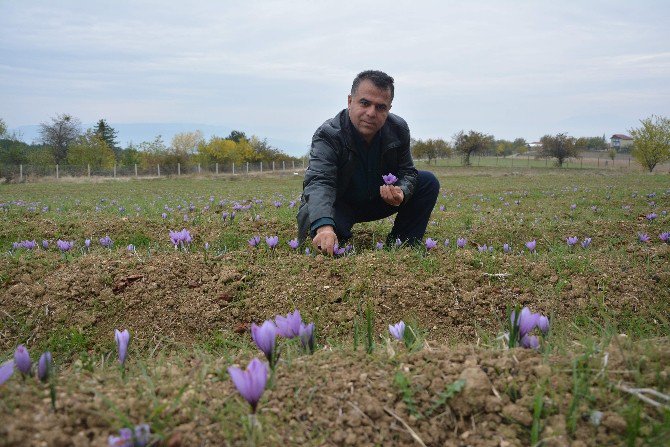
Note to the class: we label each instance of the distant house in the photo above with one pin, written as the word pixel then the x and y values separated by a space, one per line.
pixel 621 142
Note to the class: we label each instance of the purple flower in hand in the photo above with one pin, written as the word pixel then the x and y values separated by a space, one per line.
pixel 430 244
pixel 265 338
pixel 22 359
pixel 251 382
pixel 337 250
pixel 122 338
pixel 572 240
pixel 289 326
pixel 531 245
pixel 272 241
pixel 294 244
pixel 397 330
pixel 389 179
pixel 461 241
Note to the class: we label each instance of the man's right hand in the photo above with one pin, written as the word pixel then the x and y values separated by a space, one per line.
pixel 325 239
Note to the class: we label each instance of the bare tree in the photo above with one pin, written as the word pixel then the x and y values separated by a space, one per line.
pixel 60 134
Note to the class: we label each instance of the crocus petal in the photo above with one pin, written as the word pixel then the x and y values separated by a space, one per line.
pixel 122 339
pixel 530 342
pixel 265 337
pixel 397 330
pixel 6 371
pixel 22 359
pixel 44 366
pixel 543 324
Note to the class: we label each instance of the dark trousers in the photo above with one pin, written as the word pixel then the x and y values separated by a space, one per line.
pixel 411 221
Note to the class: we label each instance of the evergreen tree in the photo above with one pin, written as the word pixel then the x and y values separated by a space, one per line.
pixel 108 134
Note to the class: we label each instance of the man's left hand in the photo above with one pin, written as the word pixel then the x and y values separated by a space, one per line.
pixel 392 195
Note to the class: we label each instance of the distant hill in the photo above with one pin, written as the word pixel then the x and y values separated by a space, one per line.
pixel 139 132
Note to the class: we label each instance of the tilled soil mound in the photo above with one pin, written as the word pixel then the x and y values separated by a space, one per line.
pixel 349 398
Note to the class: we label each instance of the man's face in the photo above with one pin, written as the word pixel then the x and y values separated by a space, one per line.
pixel 369 108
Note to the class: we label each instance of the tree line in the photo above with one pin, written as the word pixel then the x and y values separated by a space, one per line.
pixel 63 142
pixel 651 145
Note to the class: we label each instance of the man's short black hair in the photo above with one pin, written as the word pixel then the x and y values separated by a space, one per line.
pixel 380 79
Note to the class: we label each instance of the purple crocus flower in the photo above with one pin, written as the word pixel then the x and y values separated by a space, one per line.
pixel 254 241
pixel 527 321
pixel 106 241
pixel 441 207
pixel 291 204
pixel 130 248
pixel 122 338
pixel 507 248
pixel 389 179
pixel 573 206
pixel 664 237
pixel 446 242
pixel 430 244
pixel 289 326
pixel 294 244
pixel 142 435
pixel 482 248
pixel 125 439
pixel 277 203
pixel 586 242
pixel 543 324
pixel 272 241
pixel 379 245
pixel 337 250
pixel 22 359
pixel 643 237
pixel 6 371
pixel 307 251
pixel 45 244
pixel 530 342
pixel 265 338
pixel 224 216
pixel 29 245
pixel 251 382
pixel 164 215
pixel 531 245
pixel 87 243
pixel 651 216
pixel 44 366
pixel 572 240
pixel 398 242
pixel 306 334
pixel 397 330
pixel 461 241
pixel 64 245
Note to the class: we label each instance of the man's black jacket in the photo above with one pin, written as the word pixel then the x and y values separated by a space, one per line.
pixel 333 159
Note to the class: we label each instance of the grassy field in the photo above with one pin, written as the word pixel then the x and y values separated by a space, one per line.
pixel 189 310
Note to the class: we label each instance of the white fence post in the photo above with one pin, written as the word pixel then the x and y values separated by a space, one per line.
pixel 114 170
pixel 136 170
pixel 217 168
pixel 178 169
pixel 159 169
pixel 261 166
pixel 283 165
pixel 198 168
pixel 88 169
pixel 273 166
pixel 293 164
pixel 247 168
pixel 233 168
pixel 20 173
pixel 56 171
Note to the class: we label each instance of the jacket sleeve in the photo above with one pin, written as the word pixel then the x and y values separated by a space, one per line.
pixel 407 174
pixel 320 184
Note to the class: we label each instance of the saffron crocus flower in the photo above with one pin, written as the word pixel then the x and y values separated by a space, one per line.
pixel 125 439
pixel 306 334
pixel 543 324
pixel 482 248
pixel 164 215
pixel 530 342
pixel 22 359
pixel 651 216
pixel 527 320
pixel 251 382
pixel 272 241
pixel 461 241
pixel 106 241
pixel 6 371
pixel 307 251
pixel 573 206
pixel 586 242
pixel 131 248
pixel 277 203
pixel 64 245
pixel 122 338
pixel 289 326
pixel 572 240
pixel 446 242
pixel 441 207
pixel 389 179
pixel 291 204
pixel 379 245
pixel 254 241
pixel 294 244
pixel 507 248
pixel 87 243
pixel 664 237
pixel 643 237
pixel 44 366
pixel 337 250
pixel 142 435
pixel 531 245
pixel 45 244
pixel 398 242
pixel 265 337
pixel 397 330
pixel 430 244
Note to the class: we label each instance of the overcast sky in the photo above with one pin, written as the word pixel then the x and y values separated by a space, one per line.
pixel 278 69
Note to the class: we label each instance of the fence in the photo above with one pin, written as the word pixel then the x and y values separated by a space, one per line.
pixel 27 173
